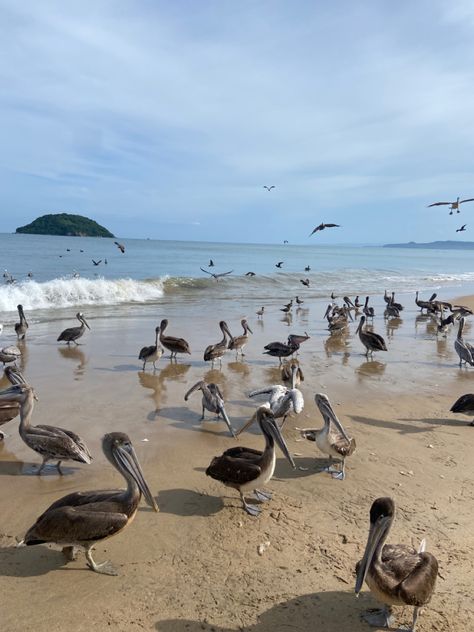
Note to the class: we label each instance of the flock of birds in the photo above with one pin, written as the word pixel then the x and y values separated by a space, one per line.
pixel 396 574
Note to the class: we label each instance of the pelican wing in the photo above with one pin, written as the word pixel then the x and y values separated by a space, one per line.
pixel 467 200
pixel 438 204
pixel 146 351
pixel 343 447
pixel 57 443
pixel 416 589
pixel 233 470
pixel 296 399
pixel 266 390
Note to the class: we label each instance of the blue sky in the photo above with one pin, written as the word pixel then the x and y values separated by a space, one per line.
pixel 165 119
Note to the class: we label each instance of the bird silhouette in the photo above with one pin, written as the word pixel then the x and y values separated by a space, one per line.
pixel 305 282
pixel 250 273
pixel 453 206
pixel 307 269
pixel 216 276
pixel 285 241
pixel 279 264
pixel 269 188
pixel 96 263
pixel 323 226
pixel 210 264
pixel 121 247
pixel 460 230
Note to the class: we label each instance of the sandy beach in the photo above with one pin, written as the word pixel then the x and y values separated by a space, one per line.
pixel 195 565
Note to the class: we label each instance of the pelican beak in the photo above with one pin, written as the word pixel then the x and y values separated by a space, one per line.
pixel 248 328
pixel 276 434
pixel 247 425
pixel 376 533
pixel 329 415
pixel 85 322
pixel 129 460
pixel 227 420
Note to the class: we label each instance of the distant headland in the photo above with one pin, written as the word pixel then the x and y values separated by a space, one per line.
pixel 65 224
pixel 436 245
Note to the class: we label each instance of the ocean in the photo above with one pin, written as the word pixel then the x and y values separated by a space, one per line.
pixel 153 271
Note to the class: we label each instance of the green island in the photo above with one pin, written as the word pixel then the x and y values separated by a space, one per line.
pixel 65 224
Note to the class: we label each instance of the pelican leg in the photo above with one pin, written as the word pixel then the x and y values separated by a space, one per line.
pixel 262 496
pixel 70 553
pixel 154 365
pixel 203 415
pixel 143 367
pixel 45 460
pixel 379 618
pixel 250 509
pixel 58 466
pixel 105 568
pixel 339 474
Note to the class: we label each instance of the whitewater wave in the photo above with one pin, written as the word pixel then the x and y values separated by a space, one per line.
pixel 62 292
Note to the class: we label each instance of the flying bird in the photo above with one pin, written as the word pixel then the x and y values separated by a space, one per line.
pixel 96 263
pixel 453 206
pixel 285 241
pixel 250 273
pixel 279 264
pixel 323 226
pixel 211 263
pixel 121 247
pixel 216 276
pixel 307 269
pixel 305 282
pixel 269 188
pixel 460 230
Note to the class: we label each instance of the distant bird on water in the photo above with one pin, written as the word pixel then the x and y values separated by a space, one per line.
pixel 96 263
pixel 305 282
pixel 453 206
pixel 269 188
pixel 121 247
pixel 279 264
pixel 323 226
pixel 307 269
pixel 463 228
pixel 216 276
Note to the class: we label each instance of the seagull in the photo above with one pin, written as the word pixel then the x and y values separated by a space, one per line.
pixel 269 188
pixel 323 226
pixel 121 247
pixel 305 282
pixel 453 206
pixel 460 230
pixel 216 276
pixel 211 263
pixel 96 263
pixel 279 264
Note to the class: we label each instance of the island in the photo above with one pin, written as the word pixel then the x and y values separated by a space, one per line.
pixel 436 245
pixel 65 224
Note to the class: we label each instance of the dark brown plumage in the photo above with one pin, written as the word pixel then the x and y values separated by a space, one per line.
pixel 175 345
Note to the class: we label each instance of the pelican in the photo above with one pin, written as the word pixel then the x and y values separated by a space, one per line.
pixel 237 344
pixel 392 311
pixel 298 300
pixel 464 405
pixel 49 441
pixel 397 574
pixel 9 354
pixel 298 338
pixel 22 326
pixel 82 519
pixel 260 312
pixel 287 373
pixel 424 304
pixel 10 409
pixel 368 311
pixel 453 206
pixel 215 352
pixel 464 350
pixel 72 334
pixel 246 469
pixel 212 400
pixel 371 341
pixel 332 439
pixel 282 400
pixel 175 345
pixel 280 349
pixel 121 247
pixel 152 353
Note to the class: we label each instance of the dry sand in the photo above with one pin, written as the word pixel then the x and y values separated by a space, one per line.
pixel 195 565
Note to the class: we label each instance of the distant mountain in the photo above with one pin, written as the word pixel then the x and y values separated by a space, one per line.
pixel 436 245
pixel 65 224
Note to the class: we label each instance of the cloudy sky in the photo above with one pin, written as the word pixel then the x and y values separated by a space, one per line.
pixel 165 119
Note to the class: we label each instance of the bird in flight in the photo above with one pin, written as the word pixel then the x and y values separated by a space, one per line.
pixel 250 273
pixel 269 188
pixel 96 263
pixel 285 241
pixel 121 247
pixel 216 276
pixel 460 230
pixel 305 282
pixel 453 206
pixel 279 264
pixel 211 263
pixel 323 226
pixel 307 269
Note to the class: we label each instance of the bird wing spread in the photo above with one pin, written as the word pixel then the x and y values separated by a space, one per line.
pixel 235 470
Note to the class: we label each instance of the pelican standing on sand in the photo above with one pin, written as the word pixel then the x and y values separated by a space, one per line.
pixel 72 334
pixel 464 405
pixel 82 519
pixel 280 349
pixel 246 469
pixel 50 442
pixel 152 353
pixel 174 345
pixel 332 439
pixel 237 344
pixel 464 350
pixel 371 341
pixel 22 326
pixel 10 409
pixel 397 575
pixel 216 351
pixel 212 400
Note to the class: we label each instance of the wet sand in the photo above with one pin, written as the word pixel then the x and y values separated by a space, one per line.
pixel 195 565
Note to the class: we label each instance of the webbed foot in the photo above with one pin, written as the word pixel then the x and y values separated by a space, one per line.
pixel 262 496
pixel 105 568
pixel 378 618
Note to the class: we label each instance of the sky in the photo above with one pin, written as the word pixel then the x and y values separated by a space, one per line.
pixel 165 119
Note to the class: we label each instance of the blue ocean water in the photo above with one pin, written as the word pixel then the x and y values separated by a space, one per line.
pixel 64 276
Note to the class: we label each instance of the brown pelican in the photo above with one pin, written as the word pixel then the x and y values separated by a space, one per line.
pixel 424 304
pixel 332 439
pixel 121 247
pixel 72 334
pixel 462 229
pixel 399 306
pixel 357 302
pixel 279 264
pixel 260 312
pixel 305 282
pixel 298 338
pixel 212 400
pixel 10 409
pixel 9 354
pixel 152 353
pixel 298 300
pixel 82 519
pixel 175 345
pixel 368 311
pixel 397 574
pixel 287 373
pixel 392 311
pixel 215 352
pixel 464 405
pixel 246 469
pixel 216 276
pixel 237 344
pixel 453 206
pixel 49 441
pixel 464 350
pixel 22 326
pixel 371 341
pixel 280 349
pixel 323 226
